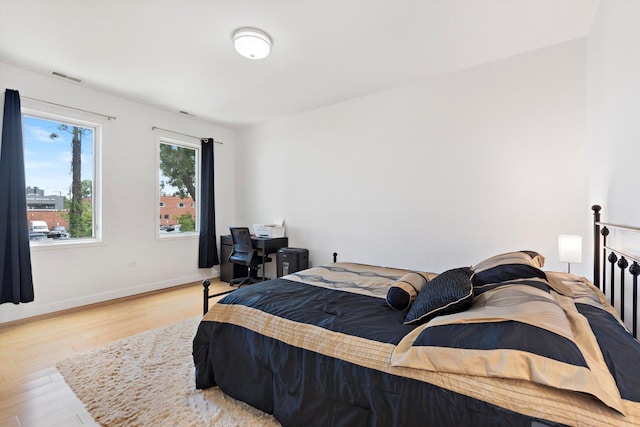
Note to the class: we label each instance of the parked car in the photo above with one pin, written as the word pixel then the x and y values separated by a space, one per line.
pixel 58 232
pixel 175 228
pixel 37 236
pixel 38 227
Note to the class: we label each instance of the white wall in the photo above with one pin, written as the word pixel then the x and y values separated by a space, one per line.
pixel 432 175
pixel 70 276
pixel 613 132
pixel 614 109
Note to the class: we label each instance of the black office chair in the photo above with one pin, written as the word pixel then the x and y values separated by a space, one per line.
pixel 244 254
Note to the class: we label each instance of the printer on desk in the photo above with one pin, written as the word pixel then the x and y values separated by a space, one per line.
pixel 269 230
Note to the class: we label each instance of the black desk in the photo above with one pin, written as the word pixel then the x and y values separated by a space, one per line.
pixel 265 245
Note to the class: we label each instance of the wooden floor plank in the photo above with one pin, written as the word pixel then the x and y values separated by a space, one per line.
pixel 32 391
pixel 11 422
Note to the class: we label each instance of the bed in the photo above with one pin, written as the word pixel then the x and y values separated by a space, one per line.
pixel 502 342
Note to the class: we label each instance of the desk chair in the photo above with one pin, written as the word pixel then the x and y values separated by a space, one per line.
pixel 244 254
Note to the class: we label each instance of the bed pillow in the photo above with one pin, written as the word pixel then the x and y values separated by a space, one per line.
pixel 404 290
pixel 450 292
pixel 509 266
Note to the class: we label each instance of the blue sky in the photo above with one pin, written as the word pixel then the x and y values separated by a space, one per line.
pixel 48 161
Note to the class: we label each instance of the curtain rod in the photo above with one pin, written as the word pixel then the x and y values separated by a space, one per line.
pixel 72 108
pixel 185 134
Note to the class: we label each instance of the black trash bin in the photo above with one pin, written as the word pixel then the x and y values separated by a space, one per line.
pixel 290 260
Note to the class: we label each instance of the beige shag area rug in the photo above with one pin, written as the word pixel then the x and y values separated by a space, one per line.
pixel 148 380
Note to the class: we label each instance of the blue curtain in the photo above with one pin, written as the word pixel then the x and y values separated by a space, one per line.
pixel 16 283
pixel 208 251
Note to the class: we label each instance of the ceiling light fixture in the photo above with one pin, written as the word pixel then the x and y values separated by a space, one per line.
pixel 252 43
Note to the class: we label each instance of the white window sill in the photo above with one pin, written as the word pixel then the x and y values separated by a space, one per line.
pixel 55 244
pixel 170 236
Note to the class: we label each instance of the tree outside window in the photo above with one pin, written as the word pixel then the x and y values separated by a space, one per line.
pixel 178 184
pixel 59 172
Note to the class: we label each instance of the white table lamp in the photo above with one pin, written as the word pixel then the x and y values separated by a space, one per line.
pixel 570 249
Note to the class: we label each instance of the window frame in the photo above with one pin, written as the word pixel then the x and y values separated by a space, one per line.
pixel 162 139
pixel 98 126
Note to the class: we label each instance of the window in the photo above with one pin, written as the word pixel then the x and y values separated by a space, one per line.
pixel 61 161
pixel 178 174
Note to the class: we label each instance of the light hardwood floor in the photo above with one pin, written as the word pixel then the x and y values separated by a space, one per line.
pixel 33 393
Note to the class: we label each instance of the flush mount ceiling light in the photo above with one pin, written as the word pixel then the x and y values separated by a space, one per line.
pixel 252 43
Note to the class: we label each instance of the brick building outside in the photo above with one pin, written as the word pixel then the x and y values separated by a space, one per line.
pixel 172 207
pixel 49 208
pixel 52 218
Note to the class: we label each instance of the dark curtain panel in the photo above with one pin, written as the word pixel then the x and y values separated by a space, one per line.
pixel 16 283
pixel 208 253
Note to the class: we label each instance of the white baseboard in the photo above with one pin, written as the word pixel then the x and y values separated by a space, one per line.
pixel 10 312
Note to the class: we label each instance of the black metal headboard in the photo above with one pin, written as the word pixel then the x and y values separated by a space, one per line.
pixel 614 258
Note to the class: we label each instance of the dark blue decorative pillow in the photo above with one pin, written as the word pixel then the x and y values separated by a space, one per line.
pixel 404 291
pixel 450 292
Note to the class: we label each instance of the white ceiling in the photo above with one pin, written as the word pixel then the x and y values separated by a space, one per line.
pixel 178 54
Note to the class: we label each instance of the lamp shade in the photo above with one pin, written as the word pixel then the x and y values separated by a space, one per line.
pixel 570 248
pixel 252 43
